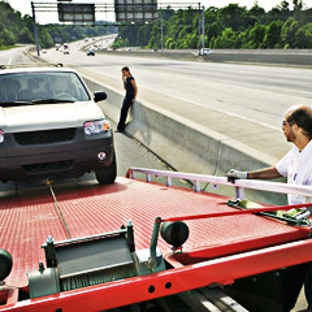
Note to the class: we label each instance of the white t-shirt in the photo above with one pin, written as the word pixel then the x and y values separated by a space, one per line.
pixel 297 167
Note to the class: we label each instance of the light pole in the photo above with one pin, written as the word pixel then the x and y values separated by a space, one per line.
pixel 161 31
pixel 35 28
pixel 203 29
pixel 199 31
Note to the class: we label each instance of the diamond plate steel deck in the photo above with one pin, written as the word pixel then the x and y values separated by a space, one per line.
pixel 87 209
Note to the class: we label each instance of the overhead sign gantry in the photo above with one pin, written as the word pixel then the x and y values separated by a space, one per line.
pixel 126 11
pixel 76 12
pixel 136 10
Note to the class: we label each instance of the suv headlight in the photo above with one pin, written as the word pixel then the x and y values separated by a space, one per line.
pixel 1 136
pixel 96 126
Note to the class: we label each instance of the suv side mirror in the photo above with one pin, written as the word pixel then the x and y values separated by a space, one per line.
pixel 100 96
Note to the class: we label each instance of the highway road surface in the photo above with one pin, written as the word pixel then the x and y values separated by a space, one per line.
pixel 256 94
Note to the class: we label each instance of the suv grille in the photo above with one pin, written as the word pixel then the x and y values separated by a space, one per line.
pixel 44 137
pixel 49 167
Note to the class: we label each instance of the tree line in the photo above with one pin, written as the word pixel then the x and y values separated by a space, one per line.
pixel 230 27
pixel 15 28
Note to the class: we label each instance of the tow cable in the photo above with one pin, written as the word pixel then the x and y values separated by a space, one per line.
pixel 59 210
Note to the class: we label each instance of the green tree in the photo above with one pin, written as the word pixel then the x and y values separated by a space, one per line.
pixel 257 35
pixel 191 42
pixel 288 33
pixel 170 43
pixel 144 34
pixel 226 40
pixel 155 40
pixel 8 37
pixel 229 27
pixel 298 5
pixel 272 39
pixel 17 29
pixel 258 14
pixel 25 36
pixel 212 31
pixel 304 37
pixel 234 17
pixel 130 33
pixel 45 39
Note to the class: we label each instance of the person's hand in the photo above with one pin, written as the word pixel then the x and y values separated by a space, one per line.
pixel 233 174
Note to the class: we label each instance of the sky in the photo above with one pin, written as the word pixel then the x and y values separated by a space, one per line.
pixel 24 6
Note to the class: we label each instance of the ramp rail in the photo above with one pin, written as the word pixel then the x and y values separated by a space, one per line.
pixel 240 184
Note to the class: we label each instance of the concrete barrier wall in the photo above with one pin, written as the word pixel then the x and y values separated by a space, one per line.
pixel 183 145
pixel 282 57
pixel 180 143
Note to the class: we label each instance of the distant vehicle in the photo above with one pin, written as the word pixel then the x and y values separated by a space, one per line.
pixel 57 46
pixel 205 51
pixel 65 48
pixel 90 52
pixel 52 125
pixel 44 51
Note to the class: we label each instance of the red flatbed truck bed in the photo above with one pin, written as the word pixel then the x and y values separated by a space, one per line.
pixel 224 244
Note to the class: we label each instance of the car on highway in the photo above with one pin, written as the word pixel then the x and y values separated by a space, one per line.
pixel 205 51
pixel 51 126
pixel 65 48
pixel 90 52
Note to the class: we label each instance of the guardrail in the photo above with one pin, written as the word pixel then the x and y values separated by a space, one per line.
pixel 239 185
pixel 283 57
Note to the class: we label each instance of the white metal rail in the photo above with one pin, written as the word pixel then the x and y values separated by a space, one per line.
pixel 239 185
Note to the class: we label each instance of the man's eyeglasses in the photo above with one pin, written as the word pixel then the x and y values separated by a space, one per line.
pixel 284 123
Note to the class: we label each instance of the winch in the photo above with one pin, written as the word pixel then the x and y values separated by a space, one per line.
pixel 86 261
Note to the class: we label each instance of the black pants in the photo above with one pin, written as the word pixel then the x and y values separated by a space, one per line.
pixel 293 281
pixel 308 288
pixel 126 104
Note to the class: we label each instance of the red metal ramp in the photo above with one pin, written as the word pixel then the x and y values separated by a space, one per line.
pixel 87 209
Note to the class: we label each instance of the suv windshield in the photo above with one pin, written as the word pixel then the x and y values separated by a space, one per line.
pixel 41 88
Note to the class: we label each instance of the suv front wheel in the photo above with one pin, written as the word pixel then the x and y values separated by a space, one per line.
pixel 107 175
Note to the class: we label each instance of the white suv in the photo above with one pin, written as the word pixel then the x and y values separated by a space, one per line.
pixel 50 126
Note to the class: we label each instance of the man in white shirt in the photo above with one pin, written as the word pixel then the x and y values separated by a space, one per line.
pixel 296 165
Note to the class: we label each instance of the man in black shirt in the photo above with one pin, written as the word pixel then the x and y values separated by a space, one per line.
pixel 131 93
